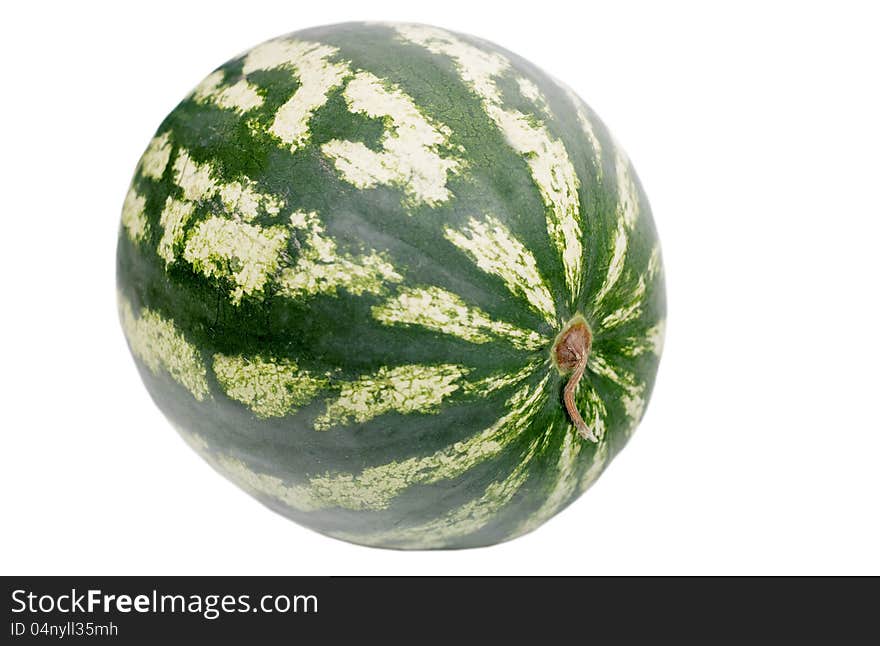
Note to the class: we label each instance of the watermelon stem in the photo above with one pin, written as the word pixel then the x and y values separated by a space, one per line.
pixel 570 353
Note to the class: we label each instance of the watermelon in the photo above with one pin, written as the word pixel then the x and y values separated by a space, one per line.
pixel 397 283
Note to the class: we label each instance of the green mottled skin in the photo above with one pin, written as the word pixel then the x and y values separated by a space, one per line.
pixel 336 334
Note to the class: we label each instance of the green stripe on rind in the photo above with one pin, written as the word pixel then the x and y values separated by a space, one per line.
pixel 567 481
pixel 586 124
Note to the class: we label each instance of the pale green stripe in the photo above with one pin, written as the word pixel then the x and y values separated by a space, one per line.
pixel 633 396
pixel 269 387
pixel 321 268
pixel 376 487
pixel 445 312
pixel 548 161
pixel 503 379
pixel 173 220
pixel 241 199
pixel 245 255
pixel 263 485
pixel 410 156
pixel 570 462
pixel 155 158
pixel 162 347
pixel 494 249
pixel 627 213
pixel 633 303
pixel 464 520
pixel 402 389
pixel 317 76
pixel 240 96
pixel 628 311
pixel 134 219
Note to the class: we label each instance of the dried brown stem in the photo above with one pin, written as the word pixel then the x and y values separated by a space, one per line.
pixel 571 351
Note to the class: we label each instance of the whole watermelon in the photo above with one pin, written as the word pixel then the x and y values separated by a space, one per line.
pixel 397 283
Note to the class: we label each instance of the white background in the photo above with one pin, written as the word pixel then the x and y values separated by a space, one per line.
pixel 755 131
